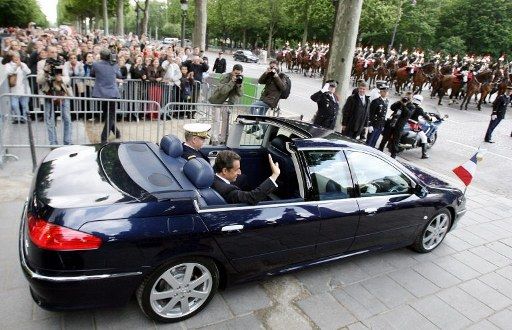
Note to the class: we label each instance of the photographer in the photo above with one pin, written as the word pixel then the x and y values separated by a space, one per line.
pixel 230 90
pixel 274 87
pixel 53 81
pixel 106 71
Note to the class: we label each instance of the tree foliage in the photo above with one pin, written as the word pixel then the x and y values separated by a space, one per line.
pixel 20 13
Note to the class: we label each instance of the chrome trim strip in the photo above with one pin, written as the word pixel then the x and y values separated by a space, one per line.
pixel 320 262
pixel 57 279
pixel 461 212
pixel 248 207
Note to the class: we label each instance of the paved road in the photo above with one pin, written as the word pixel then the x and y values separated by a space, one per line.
pixel 465 283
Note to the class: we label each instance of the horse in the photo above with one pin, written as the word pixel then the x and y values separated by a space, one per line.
pixel 280 58
pixel 358 70
pixel 447 81
pixel 290 59
pixel 474 86
pixel 401 77
pixel 371 72
pixel 419 78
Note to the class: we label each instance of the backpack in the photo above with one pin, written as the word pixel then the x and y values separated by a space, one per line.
pixel 288 82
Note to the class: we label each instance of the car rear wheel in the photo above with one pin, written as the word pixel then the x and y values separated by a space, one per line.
pixel 434 232
pixel 178 290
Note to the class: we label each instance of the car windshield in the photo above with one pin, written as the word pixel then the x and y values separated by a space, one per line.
pixel 247 52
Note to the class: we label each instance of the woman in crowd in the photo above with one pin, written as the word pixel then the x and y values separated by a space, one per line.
pixel 155 74
pixel 17 73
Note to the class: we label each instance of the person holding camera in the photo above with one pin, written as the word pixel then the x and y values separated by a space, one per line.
pixel 275 84
pixel 228 90
pixel 53 81
pixel 107 74
pixel 402 111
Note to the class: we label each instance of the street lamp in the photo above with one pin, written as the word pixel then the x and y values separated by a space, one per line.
pixel 184 8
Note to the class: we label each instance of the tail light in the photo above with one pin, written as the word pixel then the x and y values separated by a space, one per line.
pixel 53 237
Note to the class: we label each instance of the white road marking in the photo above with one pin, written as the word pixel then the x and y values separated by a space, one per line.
pixel 475 148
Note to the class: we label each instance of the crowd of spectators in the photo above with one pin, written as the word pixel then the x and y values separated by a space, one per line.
pixel 177 70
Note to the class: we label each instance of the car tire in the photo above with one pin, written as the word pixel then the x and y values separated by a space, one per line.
pixel 167 296
pixel 433 233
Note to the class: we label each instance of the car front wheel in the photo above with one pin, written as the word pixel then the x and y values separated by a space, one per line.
pixel 178 290
pixel 433 233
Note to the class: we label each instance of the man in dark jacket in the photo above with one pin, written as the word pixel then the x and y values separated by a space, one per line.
pixel 378 110
pixel 328 105
pixel 275 84
pixel 355 113
pixel 402 111
pixel 106 73
pixel 499 108
pixel 220 64
pixel 227 169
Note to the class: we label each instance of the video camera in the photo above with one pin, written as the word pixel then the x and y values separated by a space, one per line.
pixel 55 66
pixel 239 79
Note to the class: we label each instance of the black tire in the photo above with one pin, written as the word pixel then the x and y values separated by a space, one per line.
pixel 154 281
pixel 438 225
pixel 433 140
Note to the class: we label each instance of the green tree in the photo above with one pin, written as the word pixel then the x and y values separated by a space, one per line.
pixel 20 13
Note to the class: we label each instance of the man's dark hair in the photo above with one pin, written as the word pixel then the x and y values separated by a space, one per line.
pixel 238 67
pixel 273 62
pixel 225 159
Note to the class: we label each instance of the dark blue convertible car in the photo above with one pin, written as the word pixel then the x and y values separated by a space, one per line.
pixel 106 222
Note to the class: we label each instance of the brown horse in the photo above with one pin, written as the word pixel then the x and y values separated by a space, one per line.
pixel 358 70
pixel 484 92
pixel 372 71
pixel 290 59
pixel 445 83
pixel 401 77
pixel 280 58
pixel 474 86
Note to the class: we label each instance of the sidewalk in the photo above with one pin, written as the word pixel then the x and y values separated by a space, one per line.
pixel 465 283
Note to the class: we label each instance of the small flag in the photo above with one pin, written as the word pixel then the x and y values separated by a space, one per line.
pixel 466 171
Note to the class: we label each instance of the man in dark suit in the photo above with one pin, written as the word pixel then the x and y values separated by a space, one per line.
pixel 355 113
pixel 195 135
pixel 499 108
pixel 378 110
pixel 220 64
pixel 227 169
pixel 106 71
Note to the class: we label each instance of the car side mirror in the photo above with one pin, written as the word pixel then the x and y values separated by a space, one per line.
pixel 420 191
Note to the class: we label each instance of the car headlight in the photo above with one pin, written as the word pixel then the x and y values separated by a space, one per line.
pixel 461 200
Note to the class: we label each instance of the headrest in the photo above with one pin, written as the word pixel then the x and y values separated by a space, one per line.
pixel 199 172
pixel 279 142
pixel 171 145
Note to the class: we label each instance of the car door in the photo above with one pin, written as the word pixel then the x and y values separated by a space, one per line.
pixel 333 188
pixel 390 211
pixel 265 236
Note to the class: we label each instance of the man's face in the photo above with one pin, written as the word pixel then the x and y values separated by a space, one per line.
pixel 232 173
pixel 52 52
pixel 361 90
pixel 198 142
pixel 237 72
pixel 383 93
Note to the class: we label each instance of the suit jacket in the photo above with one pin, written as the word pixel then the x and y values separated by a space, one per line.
pixel 499 106
pixel 189 153
pixel 355 114
pixel 233 195
pixel 220 65
pixel 105 85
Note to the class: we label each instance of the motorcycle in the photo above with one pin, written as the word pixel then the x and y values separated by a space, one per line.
pixel 410 138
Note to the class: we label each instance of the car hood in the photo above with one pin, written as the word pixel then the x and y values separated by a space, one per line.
pixel 426 178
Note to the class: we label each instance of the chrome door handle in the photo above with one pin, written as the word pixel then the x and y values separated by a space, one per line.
pixel 370 210
pixel 232 228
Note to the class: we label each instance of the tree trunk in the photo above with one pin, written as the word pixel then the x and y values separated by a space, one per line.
pixel 244 38
pixel 105 17
pixel 120 17
pixel 306 22
pixel 199 35
pixel 145 18
pixel 270 34
pixel 342 48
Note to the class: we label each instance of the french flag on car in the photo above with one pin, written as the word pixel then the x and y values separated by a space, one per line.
pixel 466 171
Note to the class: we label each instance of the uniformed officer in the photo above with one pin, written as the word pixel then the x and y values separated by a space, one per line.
pixel 499 107
pixel 328 105
pixel 377 118
pixel 195 135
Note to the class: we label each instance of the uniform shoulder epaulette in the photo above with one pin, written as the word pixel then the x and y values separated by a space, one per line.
pixel 191 157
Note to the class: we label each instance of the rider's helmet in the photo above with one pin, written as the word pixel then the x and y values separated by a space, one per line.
pixel 417 99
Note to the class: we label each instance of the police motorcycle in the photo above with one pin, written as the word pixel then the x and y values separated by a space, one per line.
pixel 425 129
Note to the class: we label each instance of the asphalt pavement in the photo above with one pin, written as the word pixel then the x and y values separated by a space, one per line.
pixel 464 284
